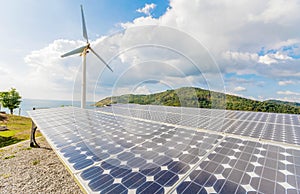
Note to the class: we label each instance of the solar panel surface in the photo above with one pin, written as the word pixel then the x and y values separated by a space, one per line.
pixel 270 126
pixel 156 149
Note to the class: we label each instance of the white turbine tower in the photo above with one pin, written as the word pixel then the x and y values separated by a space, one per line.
pixel 83 51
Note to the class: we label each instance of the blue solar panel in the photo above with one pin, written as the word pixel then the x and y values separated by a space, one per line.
pixel 239 166
pixel 251 124
pixel 141 149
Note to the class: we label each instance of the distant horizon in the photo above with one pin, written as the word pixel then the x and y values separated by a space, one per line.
pixel 52 99
pixel 239 95
pixel 226 92
pixel 27 105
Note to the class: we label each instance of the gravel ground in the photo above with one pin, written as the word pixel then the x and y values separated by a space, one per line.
pixel 36 170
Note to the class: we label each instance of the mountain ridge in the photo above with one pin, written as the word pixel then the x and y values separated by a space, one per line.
pixel 201 98
pixel 296 104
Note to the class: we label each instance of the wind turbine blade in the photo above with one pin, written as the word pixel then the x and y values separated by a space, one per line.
pixel 83 25
pixel 73 52
pixel 101 59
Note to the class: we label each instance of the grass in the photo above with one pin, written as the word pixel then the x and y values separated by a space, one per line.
pixel 9 157
pixel 28 148
pixel 6 141
pixel 36 162
pixel 6 176
pixel 18 130
pixel 7 133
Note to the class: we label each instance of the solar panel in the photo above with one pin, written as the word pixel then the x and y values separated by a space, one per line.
pixel 238 166
pixel 252 124
pixel 155 149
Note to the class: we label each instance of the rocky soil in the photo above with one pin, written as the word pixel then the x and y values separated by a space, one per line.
pixel 34 170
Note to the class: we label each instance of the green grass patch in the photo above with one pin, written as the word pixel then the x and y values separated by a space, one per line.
pixel 9 157
pixel 19 129
pixel 5 175
pixel 6 141
pixel 36 162
pixel 29 148
pixel 7 133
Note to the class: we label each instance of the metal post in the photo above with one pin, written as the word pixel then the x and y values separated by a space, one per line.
pixel 83 87
pixel 32 136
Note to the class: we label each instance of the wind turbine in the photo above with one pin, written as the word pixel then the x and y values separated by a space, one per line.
pixel 83 51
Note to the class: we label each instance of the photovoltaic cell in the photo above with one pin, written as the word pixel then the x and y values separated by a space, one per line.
pixel 238 166
pixel 251 124
pixel 156 149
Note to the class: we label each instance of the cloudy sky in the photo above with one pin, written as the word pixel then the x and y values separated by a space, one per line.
pixel 248 48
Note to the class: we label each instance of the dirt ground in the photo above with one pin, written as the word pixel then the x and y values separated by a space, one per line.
pixel 33 170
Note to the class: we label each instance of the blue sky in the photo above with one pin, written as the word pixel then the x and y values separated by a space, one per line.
pixel 251 49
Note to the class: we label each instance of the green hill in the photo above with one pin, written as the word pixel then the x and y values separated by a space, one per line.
pixel 296 104
pixel 197 97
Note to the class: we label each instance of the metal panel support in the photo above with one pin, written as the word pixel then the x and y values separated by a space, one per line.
pixel 32 136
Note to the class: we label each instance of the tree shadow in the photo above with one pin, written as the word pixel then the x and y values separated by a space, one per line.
pixel 6 141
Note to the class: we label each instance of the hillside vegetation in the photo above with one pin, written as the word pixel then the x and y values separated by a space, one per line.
pixel 197 97
pixel 296 104
pixel 18 129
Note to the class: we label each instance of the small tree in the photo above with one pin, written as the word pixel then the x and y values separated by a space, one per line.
pixel 10 99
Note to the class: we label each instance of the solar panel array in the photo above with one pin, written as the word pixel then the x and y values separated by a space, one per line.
pixel 156 149
pixel 270 126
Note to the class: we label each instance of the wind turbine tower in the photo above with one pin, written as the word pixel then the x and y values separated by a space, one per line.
pixel 83 51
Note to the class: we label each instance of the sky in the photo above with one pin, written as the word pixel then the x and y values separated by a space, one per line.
pixel 249 48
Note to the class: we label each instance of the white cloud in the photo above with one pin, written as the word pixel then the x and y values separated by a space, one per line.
pixel 50 75
pixel 141 21
pixel 133 58
pixel 287 82
pixel 234 33
pixel 288 42
pixel 281 56
pixel 232 37
pixel 287 92
pixel 240 56
pixel 267 59
pixel 47 61
pixel 261 98
pixel 235 37
pixel 147 9
pixel 273 58
pixel 8 79
pixel 130 90
pixel 290 98
pixel 3 71
pixel 278 11
pixel 141 90
pixel 239 89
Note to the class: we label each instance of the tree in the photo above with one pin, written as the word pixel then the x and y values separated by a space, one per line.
pixel 10 99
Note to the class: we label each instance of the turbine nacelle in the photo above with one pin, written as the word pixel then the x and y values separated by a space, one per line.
pixel 85 49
